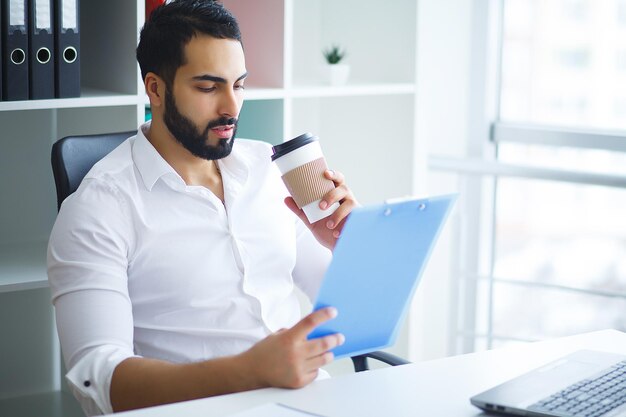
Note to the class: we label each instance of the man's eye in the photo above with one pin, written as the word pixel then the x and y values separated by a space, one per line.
pixel 206 89
pixel 239 87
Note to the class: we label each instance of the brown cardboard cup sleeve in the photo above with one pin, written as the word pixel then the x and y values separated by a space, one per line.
pixel 306 183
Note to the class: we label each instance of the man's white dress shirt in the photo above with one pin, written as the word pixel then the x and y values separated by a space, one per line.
pixel 141 264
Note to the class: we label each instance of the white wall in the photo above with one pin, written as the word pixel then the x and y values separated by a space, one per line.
pixel 452 120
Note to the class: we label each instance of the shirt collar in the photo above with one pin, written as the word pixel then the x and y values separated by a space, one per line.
pixel 152 166
pixel 148 161
pixel 235 165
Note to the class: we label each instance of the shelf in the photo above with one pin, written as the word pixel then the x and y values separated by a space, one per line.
pixel 316 25
pixel 319 90
pixel 89 98
pixel 251 93
pixel 255 93
pixel 51 404
pixel 23 267
pixel 312 91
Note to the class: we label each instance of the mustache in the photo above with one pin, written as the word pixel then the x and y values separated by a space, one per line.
pixel 221 122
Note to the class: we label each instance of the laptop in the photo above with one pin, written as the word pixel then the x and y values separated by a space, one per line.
pixel 585 383
pixel 376 267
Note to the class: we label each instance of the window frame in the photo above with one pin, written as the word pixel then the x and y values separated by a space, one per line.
pixel 486 131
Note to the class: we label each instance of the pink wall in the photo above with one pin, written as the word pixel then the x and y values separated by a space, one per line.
pixel 261 26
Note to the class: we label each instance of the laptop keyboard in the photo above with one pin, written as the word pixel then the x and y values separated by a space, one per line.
pixel 589 397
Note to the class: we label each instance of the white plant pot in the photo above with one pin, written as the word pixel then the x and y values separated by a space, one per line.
pixel 338 74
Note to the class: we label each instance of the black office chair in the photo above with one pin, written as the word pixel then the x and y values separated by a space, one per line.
pixel 73 157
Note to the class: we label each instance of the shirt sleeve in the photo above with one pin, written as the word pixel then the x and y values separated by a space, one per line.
pixel 87 270
pixel 312 260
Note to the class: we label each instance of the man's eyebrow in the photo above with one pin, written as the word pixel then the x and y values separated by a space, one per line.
pixel 207 77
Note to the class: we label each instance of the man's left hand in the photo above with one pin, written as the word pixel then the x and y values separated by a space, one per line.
pixel 328 229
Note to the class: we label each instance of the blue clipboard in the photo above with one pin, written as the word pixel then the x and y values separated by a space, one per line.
pixel 376 267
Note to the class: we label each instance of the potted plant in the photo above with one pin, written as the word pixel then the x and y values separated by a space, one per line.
pixel 338 72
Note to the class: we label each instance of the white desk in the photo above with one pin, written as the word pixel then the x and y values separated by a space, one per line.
pixel 432 388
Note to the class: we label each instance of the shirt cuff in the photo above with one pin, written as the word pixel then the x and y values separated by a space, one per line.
pixel 90 378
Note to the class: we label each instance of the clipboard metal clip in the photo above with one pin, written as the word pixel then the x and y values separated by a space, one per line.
pixel 391 201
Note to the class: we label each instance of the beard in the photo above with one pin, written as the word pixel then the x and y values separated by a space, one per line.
pixel 186 133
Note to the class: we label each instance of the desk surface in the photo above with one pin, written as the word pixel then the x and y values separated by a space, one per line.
pixel 433 388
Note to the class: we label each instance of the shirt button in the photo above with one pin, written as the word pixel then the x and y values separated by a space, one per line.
pixel 87 383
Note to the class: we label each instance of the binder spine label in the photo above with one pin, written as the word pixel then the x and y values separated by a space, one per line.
pixel 69 16
pixel 67 48
pixel 17 13
pixel 43 15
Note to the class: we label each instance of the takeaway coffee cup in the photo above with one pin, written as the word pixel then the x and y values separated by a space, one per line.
pixel 302 164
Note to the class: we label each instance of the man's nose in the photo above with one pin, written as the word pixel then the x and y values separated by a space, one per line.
pixel 229 104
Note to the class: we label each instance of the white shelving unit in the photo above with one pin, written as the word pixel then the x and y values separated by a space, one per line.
pixel 31 381
pixel 366 128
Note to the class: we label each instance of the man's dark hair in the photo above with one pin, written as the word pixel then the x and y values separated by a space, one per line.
pixel 171 26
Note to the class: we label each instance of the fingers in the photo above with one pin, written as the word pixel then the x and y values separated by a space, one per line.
pixel 317 347
pixel 338 218
pixel 342 194
pixel 338 193
pixel 320 360
pixel 335 195
pixel 340 215
pixel 287 359
pixel 310 322
pixel 335 176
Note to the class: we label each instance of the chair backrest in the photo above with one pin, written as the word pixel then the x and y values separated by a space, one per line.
pixel 73 157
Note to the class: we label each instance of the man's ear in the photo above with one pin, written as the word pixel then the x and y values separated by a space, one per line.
pixel 155 89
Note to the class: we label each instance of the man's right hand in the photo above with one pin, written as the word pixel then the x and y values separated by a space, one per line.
pixel 287 359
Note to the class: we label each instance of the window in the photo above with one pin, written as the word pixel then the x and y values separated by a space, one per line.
pixel 558 258
pixel 559 70
pixel 620 61
pixel 576 10
pixel 621 13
